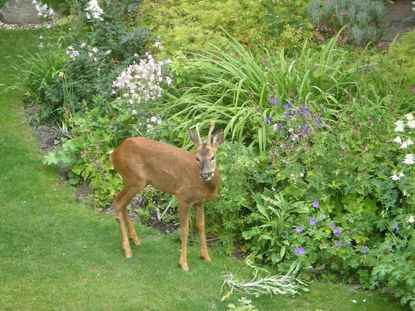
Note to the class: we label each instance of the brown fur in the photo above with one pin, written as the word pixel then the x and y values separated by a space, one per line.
pixel 142 162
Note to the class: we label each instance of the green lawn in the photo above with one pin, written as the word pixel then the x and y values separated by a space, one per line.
pixel 58 255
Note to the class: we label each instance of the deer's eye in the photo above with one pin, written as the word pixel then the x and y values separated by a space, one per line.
pixel 212 158
pixel 197 159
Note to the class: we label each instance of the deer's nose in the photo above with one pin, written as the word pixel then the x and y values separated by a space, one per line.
pixel 206 175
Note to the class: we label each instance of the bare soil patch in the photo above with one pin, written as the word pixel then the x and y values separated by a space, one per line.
pixel 400 19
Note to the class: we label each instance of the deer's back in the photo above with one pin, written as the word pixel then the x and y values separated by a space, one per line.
pixel 166 167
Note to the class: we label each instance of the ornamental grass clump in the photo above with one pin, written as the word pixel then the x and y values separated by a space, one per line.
pixel 142 82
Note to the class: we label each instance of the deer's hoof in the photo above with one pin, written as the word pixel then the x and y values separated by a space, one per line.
pixel 184 267
pixel 128 255
pixel 206 258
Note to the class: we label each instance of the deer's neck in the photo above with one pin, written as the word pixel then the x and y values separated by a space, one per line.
pixel 213 184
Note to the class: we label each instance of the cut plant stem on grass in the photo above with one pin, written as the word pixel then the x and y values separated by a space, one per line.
pixel 267 284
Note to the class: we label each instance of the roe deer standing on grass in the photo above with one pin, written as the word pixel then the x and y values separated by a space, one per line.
pixel 193 179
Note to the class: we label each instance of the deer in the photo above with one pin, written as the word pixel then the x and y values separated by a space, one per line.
pixel 192 178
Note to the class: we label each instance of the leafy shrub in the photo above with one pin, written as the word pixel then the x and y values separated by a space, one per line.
pixel 287 23
pixel 98 50
pixel 268 23
pixel 398 247
pixel 86 152
pixel 225 214
pixel 364 19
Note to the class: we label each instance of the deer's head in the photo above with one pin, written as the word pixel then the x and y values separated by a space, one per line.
pixel 206 152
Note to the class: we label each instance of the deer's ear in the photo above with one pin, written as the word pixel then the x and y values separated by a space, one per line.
pixel 218 139
pixel 194 137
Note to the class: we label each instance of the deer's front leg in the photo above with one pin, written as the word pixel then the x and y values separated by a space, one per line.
pixel 184 229
pixel 200 222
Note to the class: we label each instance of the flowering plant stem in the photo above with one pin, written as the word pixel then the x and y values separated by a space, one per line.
pixel 259 285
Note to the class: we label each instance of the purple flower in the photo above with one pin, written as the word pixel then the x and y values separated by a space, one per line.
pixel 396 228
pixel 299 250
pixel 273 101
pixel 299 229
pixel 318 121
pixel 365 250
pixel 316 204
pixel 336 232
pixel 337 243
pixel 332 224
pixel 278 127
pixel 268 120
pixel 287 115
pixel 313 221
pixel 288 106
pixel 304 110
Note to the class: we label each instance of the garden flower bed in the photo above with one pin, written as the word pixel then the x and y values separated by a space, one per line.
pixel 318 164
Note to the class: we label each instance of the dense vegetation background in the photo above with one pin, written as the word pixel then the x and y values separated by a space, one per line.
pixel 318 161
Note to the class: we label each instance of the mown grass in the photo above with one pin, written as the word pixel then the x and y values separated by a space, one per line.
pixel 56 254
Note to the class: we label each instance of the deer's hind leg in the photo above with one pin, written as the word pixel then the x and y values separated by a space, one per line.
pixel 120 205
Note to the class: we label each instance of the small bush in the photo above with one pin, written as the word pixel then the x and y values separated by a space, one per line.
pixel 363 19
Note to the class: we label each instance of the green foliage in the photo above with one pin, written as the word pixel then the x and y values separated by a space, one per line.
pixel 267 23
pixel 41 71
pixel 270 226
pixel 287 22
pixel 171 21
pixel 363 19
pixel 225 215
pixel 400 62
pixel 96 52
pixel 87 151
pixel 397 247
pixel 236 88
pixel 243 304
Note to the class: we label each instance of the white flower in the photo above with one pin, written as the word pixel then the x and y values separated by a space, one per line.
pixel 395 177
pixel 405 144
pixel 409 117
pixel 93 10
pixel 142 81
pixel 399 126
pixel 155 120
pixel 134 112
pixel 411 124
pixel 411 219
pixel 398 140
pixel 43 11
pixel 409 159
